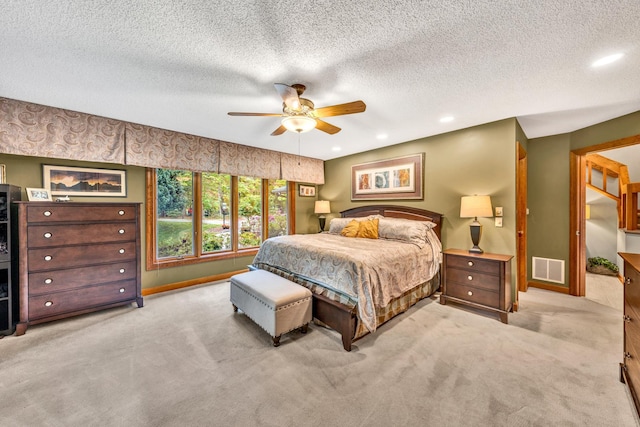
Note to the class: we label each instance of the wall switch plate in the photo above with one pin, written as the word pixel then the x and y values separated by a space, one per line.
pixel 498 210
pixel 498 222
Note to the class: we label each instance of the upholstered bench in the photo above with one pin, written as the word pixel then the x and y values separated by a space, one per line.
pixel 276 304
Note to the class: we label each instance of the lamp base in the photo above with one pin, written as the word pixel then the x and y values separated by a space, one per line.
pixel 476 232
pixel 322 221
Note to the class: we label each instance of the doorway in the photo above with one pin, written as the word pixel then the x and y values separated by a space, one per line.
pixel 577 214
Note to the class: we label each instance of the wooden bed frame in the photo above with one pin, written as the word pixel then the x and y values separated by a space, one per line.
pixel 340 317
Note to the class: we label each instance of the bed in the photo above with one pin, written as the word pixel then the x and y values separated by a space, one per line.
pixel 358 283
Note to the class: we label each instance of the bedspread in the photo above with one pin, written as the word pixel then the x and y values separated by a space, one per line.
pixel 371 271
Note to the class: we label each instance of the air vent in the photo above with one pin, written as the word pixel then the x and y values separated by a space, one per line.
pixel 550 270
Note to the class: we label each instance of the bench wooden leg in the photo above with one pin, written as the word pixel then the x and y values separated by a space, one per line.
pixel 304 328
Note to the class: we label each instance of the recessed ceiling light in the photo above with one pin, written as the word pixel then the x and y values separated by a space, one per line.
pixel 446 119
pixel 336 149
pixel 607 60
pixel 382 136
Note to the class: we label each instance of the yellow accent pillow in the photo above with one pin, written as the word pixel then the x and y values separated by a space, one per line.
pixel 351 229
pixel 368 229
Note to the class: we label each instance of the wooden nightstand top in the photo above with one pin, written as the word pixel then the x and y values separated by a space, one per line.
pixel 464 252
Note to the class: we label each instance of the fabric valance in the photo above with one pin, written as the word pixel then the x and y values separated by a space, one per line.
pixel 158 148
pixel 35 130
pixel 302 169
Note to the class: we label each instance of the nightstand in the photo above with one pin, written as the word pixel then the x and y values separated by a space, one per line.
pixel 482 281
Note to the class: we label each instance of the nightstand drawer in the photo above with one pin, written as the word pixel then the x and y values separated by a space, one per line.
pixel 472 278
pixel 469 263
pixel 475 295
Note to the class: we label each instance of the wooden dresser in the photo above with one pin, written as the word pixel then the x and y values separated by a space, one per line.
pixel 478 280
pixel 75 258
pixel 630 366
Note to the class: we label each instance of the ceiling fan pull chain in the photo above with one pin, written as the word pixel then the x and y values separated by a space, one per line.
pixel 298 148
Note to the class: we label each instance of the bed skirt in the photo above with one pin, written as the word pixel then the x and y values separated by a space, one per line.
pixel 383 314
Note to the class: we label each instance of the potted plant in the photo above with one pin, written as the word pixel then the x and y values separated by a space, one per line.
pixel 599 265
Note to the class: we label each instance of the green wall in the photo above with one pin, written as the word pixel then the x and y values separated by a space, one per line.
pixel 26 171
pixel 477 160
pixel 549 184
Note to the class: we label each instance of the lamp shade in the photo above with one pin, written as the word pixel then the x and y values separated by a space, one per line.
pixel 322 207
pixel 475 206
pixel 299 124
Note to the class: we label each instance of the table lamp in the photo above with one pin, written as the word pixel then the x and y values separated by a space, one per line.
pixel 322 207
pixel 474 207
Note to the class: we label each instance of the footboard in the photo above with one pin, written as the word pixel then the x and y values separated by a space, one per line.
pixel 337 316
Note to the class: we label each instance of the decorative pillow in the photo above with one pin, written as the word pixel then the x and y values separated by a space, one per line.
pixel 368 229
pixel 337 224
pixel 351 229
pixel 405 230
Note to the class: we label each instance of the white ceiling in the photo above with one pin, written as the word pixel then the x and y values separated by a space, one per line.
pixel 182 65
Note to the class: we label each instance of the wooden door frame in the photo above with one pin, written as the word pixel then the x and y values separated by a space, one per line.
pixel 577 196
pixel 521 221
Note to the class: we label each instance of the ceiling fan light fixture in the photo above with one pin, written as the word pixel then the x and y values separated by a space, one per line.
pixel 299 124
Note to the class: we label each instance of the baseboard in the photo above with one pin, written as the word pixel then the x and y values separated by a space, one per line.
pixel 548 287
pixel 192 282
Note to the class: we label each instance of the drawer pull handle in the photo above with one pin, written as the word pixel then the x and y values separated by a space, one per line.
pixel 121 270
pixel 626 318
pixel 46 213
pixel 121 212
pixel 47 235
pixel 48 281
pixel 469 277
pixel 121 231
pixel 470 263
pixel 48 258
pixel 627 280
pixel 121 290
pixel 121 250
pixel 470 293
pixel 627 355
pixel 48 303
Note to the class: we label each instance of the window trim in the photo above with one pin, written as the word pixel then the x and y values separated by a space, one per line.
pixel 151 208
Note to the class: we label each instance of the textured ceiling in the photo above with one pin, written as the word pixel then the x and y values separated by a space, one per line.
pixel 182 65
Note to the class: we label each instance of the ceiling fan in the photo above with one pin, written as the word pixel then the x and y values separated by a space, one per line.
pixel 300 115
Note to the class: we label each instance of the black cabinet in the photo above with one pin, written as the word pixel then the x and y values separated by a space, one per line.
pixel 8 258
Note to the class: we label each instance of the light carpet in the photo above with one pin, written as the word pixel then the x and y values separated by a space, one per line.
pixel 186 359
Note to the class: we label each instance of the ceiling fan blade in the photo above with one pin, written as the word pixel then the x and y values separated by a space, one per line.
pixel 341 109
pixel 233 113
pixel 279 131
pixel 327 127
pixel 289 95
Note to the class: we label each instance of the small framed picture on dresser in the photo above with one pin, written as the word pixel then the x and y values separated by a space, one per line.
pixel 38 194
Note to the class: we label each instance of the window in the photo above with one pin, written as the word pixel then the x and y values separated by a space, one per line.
pixel 203 216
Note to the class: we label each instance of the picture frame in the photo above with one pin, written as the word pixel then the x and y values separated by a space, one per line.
pixel 397 178
pixel 91 182
pixel 3 174
pixel 307 190
pixel 38 194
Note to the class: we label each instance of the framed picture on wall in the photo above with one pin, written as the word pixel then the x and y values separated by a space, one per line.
pixel 72 181
pixel 307 191
pixel 398 178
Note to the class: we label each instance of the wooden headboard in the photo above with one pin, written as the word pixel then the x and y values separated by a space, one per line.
pixel 391 211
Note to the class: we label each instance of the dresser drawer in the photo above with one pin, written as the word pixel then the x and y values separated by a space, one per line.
pixel 80 212
pixel 632 288
pixel 73 278
pixel 42 306
pixel 76 256
pixel 472 294
pixel 472 278
pixel 58 235
pixel 475 264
